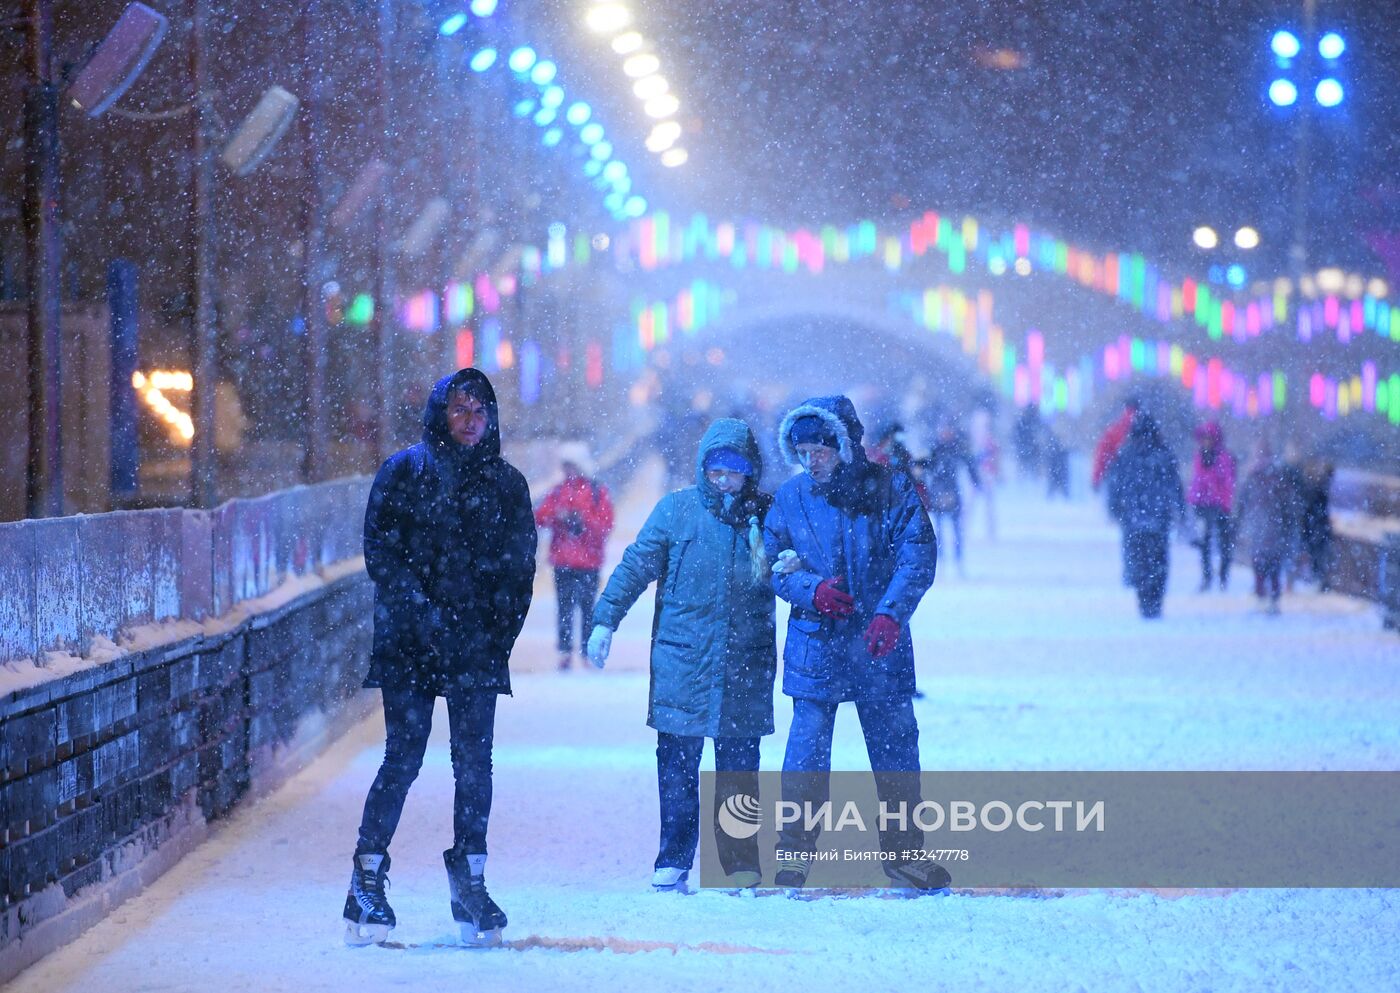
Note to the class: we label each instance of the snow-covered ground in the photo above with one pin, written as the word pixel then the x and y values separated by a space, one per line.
pixel 1036 660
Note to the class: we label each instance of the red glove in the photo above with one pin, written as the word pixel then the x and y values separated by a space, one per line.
pixel 832 601
pixel 881 636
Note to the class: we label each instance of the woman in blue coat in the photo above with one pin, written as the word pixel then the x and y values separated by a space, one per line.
pixel 713 648
pixel 855 553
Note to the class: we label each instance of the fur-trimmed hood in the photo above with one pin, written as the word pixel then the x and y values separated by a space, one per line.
pixel 838 413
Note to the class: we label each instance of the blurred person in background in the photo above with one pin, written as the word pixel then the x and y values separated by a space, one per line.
pixel 579 517
pixel 949 457
pixel 1316 523
pixel 1145 498
pixel 1212 494
pixel 1267 521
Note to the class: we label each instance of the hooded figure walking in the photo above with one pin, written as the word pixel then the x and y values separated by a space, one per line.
pixel 713 644
pixel 1269 510
pixel 450 546
pixel 854 553
pixel 1145 498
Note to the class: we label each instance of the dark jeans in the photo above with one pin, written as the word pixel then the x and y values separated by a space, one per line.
pixel 575 589
pixel 1268 574
pixel 1145 553
pixel 892 742
pixel 408 717
pixel 1319 549
pixel 955 519
pixel 1216 530
pixel 678 782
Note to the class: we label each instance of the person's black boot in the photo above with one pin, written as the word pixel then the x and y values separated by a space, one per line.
pixel 921 875
pixel 473 909
pixel 368 916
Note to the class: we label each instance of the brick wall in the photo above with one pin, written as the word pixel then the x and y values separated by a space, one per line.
pixel 107 776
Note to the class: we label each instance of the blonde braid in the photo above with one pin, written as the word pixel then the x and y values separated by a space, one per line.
pixel 758 555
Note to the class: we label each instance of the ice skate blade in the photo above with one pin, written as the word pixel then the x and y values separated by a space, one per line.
pixel 360 935
pixel 472 938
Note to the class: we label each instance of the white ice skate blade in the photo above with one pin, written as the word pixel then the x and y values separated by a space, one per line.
pixel 472 938
pixel 360 935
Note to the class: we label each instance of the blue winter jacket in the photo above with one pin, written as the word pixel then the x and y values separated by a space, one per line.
pixel 868 526
pixel 714 638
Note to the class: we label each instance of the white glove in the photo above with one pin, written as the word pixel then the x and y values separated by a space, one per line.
pixel 788 562
pixel 599 644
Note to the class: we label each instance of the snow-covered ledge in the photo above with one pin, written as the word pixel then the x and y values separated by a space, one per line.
pixel 121 743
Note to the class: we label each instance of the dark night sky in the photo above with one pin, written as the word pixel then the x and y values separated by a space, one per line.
pixel 1128 124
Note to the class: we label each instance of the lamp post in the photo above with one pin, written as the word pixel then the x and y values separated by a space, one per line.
pixel 203 332
pixel 1299 85
pixel 386 127
pixel 44 470
pixel 315 272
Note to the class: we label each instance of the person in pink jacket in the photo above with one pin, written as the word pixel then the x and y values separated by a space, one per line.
pixel 1212 493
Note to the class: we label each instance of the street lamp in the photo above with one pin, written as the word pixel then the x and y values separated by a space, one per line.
pixel 1207 239
pixel 1293 56
pixel 1287 48
pixel 1246 238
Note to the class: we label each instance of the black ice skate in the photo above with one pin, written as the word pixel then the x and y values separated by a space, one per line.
pixel 473 909
pixel 368 916
pixel 792 874
pixel 919 875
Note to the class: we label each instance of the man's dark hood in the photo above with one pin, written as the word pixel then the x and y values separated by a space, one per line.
pixel 436 435
pixel 1146 432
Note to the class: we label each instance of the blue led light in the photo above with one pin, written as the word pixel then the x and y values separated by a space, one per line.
pixel 545 116
pixel 1331 46
pixel 1285 44
pixel 591 134
pixel 553 96
pixel 579 113
pixel 483 8
pixel 592 167
pixel 1329 92
pixel 483 60
pixel 544 72
pixel 524 108
pixel 634 207
pixel 602 151
pixel 1283 93
pixel 1235 275
pixel 452 25
pixel 614 171
pixel 522 59
pixel 552 137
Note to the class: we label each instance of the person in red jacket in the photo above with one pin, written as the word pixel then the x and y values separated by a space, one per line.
pixel 579 518
pixel 1212 493
pixel 1111 440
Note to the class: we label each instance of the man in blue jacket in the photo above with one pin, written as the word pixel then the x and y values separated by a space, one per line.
pixel 854 553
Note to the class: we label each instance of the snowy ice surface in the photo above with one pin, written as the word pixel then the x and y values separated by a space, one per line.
pixel 1037 660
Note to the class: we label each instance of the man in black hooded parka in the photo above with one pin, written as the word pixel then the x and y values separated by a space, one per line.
pixel 450 546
